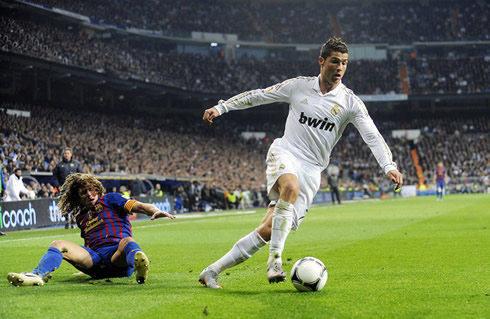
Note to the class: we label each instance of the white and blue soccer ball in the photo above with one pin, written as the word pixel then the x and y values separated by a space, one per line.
pixel 309 274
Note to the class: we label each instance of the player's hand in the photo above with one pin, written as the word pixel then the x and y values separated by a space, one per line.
pixel 161 214
pixel 396 177
pixel 209 115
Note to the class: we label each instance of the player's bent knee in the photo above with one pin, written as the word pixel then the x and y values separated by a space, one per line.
pixel 265 230
pixel 289 191
pixel 58 244
pixel 125 241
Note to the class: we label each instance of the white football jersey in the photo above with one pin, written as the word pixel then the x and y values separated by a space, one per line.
pixel 316 121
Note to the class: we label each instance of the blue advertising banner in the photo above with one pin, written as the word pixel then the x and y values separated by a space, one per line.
pixel 37 213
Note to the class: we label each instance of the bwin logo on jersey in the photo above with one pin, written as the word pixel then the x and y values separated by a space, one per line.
pixel 321 124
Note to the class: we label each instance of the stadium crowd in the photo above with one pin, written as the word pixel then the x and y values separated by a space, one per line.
pixel 125 59
pixel 186 71
pixel 170 147
pixel 449 75
pixel 220 157
pixel 108 143
pixel 292 22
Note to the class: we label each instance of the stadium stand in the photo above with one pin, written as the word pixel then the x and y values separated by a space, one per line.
pixel 293 22
pixel 186 71
pixel 213 74
pixel 113 44
pixel 169 147
pixel 470 74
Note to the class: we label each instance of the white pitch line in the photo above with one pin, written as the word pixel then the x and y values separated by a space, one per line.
pixel 197 215
pixel 179 217
pixel 35 238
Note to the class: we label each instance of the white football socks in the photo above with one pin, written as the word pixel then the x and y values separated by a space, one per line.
pixel 241 251
pixel 282 220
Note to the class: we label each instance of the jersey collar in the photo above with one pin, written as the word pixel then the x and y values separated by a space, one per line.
pixel 316 87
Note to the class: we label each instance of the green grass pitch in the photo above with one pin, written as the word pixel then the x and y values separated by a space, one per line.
pixel 394 258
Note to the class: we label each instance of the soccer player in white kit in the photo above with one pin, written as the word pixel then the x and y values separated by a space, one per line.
pixel 319 110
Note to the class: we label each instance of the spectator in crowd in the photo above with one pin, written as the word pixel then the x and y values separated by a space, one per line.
pixel 232 200
pixel 333 181
pixel 136 186
pixel 64 169
pixel 3 191
pixel 244 198
pixel 15 186
pixel 181 200
pixel 31 194
pixel 123 190
pixel 205 193
pixel 43 191
pixel 3 186
pixel 35 186
pixel 158 190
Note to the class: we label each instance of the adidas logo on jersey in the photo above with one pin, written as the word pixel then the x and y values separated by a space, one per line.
pixel 316 123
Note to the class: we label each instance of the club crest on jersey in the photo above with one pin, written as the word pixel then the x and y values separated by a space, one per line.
pixel 335 110
pixel 322 124
pixel 98 208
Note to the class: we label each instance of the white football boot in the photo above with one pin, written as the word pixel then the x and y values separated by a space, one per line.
pixel 209 278
pixel 25 279
pixel 275 272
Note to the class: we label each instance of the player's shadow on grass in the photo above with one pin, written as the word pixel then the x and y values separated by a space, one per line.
pixel 122 281
pixel 264 292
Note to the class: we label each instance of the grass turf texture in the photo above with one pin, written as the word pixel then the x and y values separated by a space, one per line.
pixel 395 258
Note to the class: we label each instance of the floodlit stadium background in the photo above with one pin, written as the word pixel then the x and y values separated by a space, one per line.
pixel 125 84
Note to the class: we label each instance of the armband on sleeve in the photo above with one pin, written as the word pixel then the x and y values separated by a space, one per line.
pixel 129 205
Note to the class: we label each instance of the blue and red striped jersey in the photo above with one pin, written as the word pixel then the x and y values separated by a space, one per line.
pixel 440 174
pixel 108 223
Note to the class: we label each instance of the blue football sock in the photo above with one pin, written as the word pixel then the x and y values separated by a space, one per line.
pixel 131 249
pixel 49 262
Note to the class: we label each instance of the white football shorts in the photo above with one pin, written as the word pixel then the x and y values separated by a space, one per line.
pixel 280 161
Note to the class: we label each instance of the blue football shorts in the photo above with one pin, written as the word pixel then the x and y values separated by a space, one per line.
pixel 102 266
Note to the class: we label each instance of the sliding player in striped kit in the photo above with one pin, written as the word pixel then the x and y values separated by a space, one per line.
pixel 109 249
pixel 319 110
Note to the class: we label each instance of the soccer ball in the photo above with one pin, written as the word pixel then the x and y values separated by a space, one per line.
pixel 309 274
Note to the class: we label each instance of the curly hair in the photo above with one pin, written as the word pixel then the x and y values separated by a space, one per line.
pixel 333 44
pixel 74 185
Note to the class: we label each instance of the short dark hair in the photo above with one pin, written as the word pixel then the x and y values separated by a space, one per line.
pixel 17 169
pixel 333 44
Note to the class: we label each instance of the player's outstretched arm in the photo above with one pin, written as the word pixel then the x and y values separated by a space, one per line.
pixel 209 115
pixel 150 210
pixel 396 177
